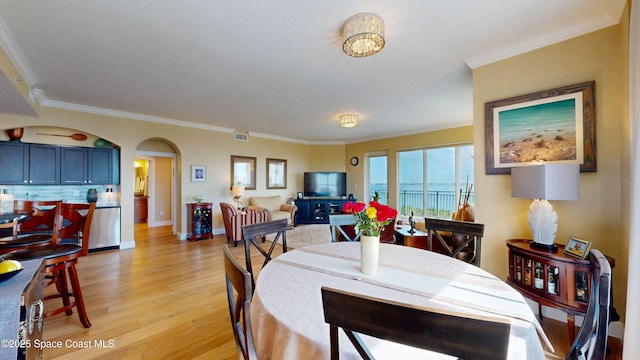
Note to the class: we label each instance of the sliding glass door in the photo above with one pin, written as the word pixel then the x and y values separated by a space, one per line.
pixel 377 177
pixel 434 182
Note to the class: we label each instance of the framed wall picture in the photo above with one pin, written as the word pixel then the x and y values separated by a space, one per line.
pixel 198 173
pixel 554 126
pixel 243 170
pixel 577 248
pixel 276 174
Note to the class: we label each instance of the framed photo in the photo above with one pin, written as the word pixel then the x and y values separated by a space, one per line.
pixel 554 126
pixel 577 248
pixel 243 170
pixel 300 195
pixel 198 173
pixel 276 174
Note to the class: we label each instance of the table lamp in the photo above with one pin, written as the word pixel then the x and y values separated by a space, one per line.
pixel 542 183
pixel 238 192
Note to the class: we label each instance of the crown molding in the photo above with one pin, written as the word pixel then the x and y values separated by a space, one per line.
pixel 436 127
pixel 44 101
pixel 15 55
pixel 612 17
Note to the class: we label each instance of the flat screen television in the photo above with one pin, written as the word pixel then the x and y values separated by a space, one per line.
pixel 325 184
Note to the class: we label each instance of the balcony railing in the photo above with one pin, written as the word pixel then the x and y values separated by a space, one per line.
pixel 440 204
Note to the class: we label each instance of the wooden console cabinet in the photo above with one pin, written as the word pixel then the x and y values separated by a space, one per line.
pixel 140 209
pixel 199 221
pixel 550 278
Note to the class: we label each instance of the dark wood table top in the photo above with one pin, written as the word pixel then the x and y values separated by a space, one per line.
pixel 7 216
pixel 404 231
pixel 24 240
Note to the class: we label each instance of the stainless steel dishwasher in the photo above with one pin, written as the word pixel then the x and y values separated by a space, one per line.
pixel 105 228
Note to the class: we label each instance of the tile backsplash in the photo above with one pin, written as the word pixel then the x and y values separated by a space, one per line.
pixel 69 193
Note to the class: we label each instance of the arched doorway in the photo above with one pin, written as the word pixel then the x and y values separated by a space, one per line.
pixel 155 183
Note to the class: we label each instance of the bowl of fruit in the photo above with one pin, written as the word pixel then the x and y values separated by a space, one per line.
pixel 9 268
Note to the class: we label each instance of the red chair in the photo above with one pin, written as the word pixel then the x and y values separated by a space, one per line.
pixel 72 226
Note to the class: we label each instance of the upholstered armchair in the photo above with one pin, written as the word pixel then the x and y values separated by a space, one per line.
pixel 234 220
pixel 274 207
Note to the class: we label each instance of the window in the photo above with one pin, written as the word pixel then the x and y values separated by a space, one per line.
pixel 377 176
pixel 444 174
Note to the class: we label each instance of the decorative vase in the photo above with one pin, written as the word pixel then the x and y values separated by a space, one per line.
pixel 369 253
pixel 15 134
pixel 92 195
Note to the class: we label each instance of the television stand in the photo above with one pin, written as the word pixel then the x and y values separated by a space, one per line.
pixel 317 210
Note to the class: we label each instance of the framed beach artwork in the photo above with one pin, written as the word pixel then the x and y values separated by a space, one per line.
pixel 553 126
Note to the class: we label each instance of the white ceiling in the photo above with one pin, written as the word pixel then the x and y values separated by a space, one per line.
pixel 276 68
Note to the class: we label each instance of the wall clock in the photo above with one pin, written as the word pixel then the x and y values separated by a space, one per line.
pixel 354 161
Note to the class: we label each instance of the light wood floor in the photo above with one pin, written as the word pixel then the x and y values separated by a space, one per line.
pixel 165 299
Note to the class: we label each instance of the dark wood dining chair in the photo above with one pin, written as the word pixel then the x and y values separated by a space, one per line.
pixel 253 232
pixel 336 223
pixel 239 295
pixel 71 222
pixel 459 239
pixel 591 341
pixel 462 335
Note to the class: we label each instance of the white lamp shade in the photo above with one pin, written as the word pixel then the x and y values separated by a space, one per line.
pixel 547 181
pixel 237 190
pixel 542 183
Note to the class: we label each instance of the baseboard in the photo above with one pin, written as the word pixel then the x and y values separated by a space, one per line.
pixel 127 245
pixel 616 328
pixel 160 223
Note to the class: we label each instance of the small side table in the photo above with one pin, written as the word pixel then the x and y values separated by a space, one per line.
pixel 199 221
pixel 417 239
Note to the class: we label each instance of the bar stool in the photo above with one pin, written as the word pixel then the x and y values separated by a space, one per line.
pixel 41 217
pixel 72 226
pixel 32 225
pixel 13 225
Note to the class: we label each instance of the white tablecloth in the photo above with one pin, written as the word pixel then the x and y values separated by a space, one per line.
pixel 287 316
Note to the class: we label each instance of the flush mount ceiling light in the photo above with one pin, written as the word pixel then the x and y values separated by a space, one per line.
pixel 363 35
pixel 349 120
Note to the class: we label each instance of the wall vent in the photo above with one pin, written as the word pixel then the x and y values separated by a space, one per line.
pixel 241 136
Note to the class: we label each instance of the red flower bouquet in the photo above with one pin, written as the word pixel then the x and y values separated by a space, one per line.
pixel 371 218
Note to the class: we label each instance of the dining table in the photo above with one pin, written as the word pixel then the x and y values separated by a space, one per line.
pixel 287 314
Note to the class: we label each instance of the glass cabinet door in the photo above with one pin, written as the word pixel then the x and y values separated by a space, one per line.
pixel 552 280
pixel 527 272
pixel 518 274
pixel 538 280
pixel 202 221
pixel 582 291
